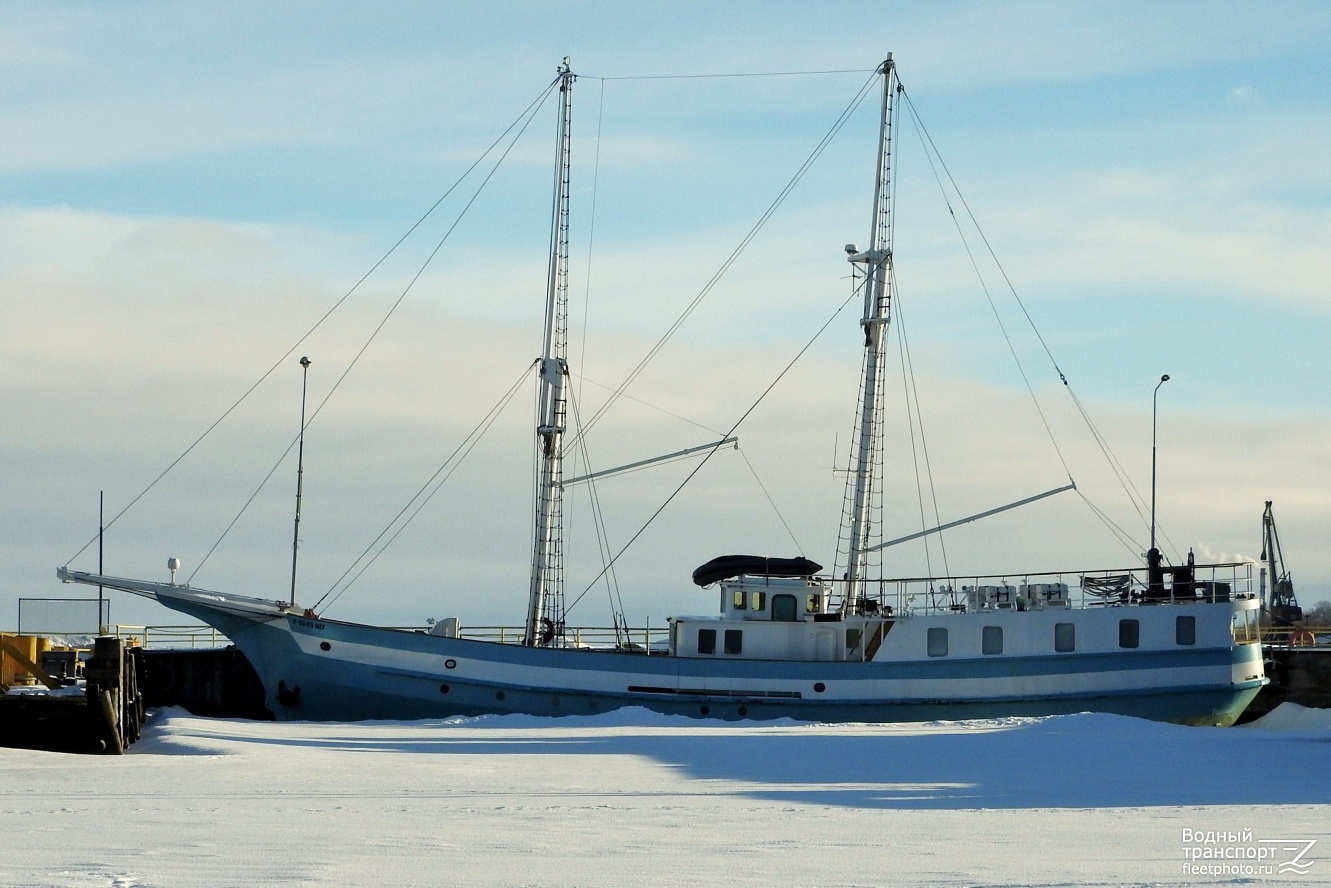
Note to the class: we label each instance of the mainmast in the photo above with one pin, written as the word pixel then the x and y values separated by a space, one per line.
pixel 862 490
pixel 545 608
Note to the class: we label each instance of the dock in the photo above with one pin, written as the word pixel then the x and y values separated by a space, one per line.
pixel 102 715
pixel 1299 675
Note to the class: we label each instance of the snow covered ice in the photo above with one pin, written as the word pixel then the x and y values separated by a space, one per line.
pixel 635 798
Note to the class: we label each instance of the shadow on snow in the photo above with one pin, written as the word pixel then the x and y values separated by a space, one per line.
pixel 1079 761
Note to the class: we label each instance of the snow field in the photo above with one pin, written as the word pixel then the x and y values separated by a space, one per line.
pixel 634 798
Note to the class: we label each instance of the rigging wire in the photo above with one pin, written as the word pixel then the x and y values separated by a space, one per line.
pixel 531 114
pixel 928 464
pixel 1120 473
pixel 599 529
pixel 1119 533
pixel 1134 496
pixel 763 487
pixel 459 454
pixel 722 76
pixel 591 238
pixel 254 495
pixel 603 546
pixel 984 286
pixel 649 405
pixel 698 468
pixel 914 419
pixel 317 324
pixel 911 428
pixel 735 254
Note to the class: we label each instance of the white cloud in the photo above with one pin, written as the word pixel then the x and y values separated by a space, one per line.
pixel 102 399
pixel 125 336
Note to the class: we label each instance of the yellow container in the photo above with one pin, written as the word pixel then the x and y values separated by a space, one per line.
pixel 11 671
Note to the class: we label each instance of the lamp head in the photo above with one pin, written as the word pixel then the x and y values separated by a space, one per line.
pixel 1165 378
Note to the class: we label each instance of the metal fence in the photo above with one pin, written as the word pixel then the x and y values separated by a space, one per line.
pixel 63 616
pixel 192 636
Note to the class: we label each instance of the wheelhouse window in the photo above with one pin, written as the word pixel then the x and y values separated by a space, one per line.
pixel 937 642
pixel 784 608
pixel 757 601
pixel 991 641
pixel 1065 637
pixel 706 641
pixel 1129 633
pixel 739 600
pixel 734 641
pixel 1185 630
pixel 1245 627
pixel 813 603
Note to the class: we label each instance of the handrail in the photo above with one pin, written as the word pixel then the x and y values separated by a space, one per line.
pixel 1296 636
pixel 177 635
pixel 921 595
pixel 646 638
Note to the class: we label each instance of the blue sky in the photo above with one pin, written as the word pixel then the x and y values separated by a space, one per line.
pixel 184 190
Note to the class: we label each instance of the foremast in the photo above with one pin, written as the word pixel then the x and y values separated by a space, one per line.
pixel 863 492
pixel 545 608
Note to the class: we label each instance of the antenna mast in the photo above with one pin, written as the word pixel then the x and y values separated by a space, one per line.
pixel 862 485
pixel 300 473
pixel 545 607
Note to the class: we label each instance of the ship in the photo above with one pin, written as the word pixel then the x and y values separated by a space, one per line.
pixel 1176 643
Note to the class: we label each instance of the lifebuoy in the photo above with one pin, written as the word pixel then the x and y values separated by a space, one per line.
pixel 1303 638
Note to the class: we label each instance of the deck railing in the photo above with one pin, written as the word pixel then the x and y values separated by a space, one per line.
pixel 1102 588
pixel 646 639
pixel 179 636
pixel 1297 636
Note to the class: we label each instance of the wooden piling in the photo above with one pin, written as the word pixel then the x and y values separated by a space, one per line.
pixel 106 718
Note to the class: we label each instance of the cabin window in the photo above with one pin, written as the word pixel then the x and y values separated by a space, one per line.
pixel 784 608
pixel 1129 633
pixel 937 642
pixel 734 641
pixel 1065 637
pixel 991 641
pixel 853 637
pixel 814 603
pixel 739 599
pixel 706 641
pixel 757 601
pixel 1185 630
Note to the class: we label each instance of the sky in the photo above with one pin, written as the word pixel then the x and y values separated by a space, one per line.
pixel 185 192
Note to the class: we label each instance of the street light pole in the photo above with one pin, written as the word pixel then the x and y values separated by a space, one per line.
pixel 1154 401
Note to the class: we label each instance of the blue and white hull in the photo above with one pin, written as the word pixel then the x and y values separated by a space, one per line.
pixel 319 669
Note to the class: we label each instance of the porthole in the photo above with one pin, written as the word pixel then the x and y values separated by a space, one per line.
pixel 443 689
pixel 450 664
pixel 554 701
pixel 499 695
pixel 819 687
pixel 325 646
pixel 706 710
pixel 743 711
